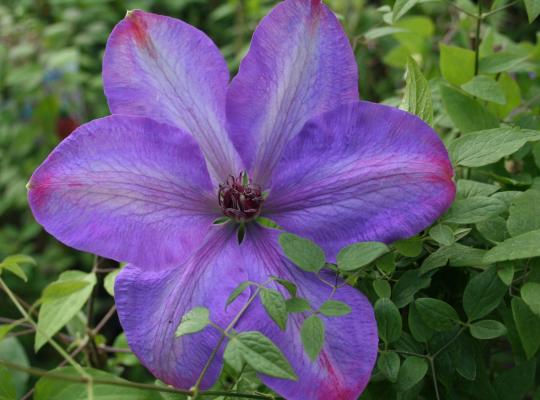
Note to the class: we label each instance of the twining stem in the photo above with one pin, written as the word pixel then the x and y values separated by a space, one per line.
pixel 224 335
pixel 122 383
pixel 57 347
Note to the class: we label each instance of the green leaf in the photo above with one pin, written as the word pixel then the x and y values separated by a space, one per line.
pixel 376 33
pixel 268 223
pixel 15 269
pixel 221 220
pixel 474 210
pixel 312 334
pixel 57 389
pixel 382 288
pixel 464 357
pixel 467 188
pixel 388 320
pixel 419 329
pixel 407 286
pixel 533 9
pixel 516 383
pixel 19 259
pixel 5 329
pixel 110 279
pixel 274 304
pixel 435 260
pixel 238 291
pixel 500 62
pixel 505 272
pixel 527 325
pixel 530 293
pixel 487 329
pixel 334 308
pixel 386 263
pixel 483 294
pixel 290 286
pixel 442 234
pixel 411 372
pixel 297 304
pixel 193 321
pixel 389 363
pixel 303 252
pixel 457 64
pixel 437 314
pixel 241 233
pixel 359 255
pixel 485 88
pixel 518 247
pixel 486 147
pixel 512 93
pixel 260 354
pixel 411 247
pixel 466 113
pixel 57 290
pixel 401 7
pixel 456 254
pixel 233 355
pixel 465 256
pixel 524 213
pixel 417 99
pixel 493 229
pixel 55 313
pixel 13 264
pixel 8 390
pixel 12 350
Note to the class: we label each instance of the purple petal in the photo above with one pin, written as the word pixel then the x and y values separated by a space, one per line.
pixel 343 368
pixel 300 64
pixel 165 69
pixel 151 305
pixel 126 188
pixel 359 173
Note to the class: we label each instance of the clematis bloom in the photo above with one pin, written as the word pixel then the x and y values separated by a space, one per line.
pixel 145 184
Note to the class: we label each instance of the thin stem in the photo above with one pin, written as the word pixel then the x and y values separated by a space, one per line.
pixel 434 375
pixel 104 320
pixel 452 4
pixel 477 39
pixel 56 346
pixel 488 14
pixel 450 342
pixel 223 336
pixel 123 383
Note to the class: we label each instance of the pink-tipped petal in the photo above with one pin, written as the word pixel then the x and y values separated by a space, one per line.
pixel 362 172
pixel 126 188
pixel 162 68
pixel 343 367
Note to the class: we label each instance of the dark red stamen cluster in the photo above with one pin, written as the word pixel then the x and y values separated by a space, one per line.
pixel 239 199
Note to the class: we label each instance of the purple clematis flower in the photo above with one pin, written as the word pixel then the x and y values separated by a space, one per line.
pixel 145 184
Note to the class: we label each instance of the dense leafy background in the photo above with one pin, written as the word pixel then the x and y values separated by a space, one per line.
pixel 458 306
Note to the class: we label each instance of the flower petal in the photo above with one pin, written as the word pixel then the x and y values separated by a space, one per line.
pixel 126 188
pixel 359 173
pixel 151 305
pixel 344 365
pixel 162 68
pixel 300 64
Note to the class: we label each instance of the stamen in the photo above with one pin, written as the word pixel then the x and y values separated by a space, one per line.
pixel 240 198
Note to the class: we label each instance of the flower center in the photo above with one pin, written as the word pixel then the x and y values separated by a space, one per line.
pixel 240 198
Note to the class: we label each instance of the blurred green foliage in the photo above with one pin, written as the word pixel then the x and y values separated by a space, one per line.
pixel 477 324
